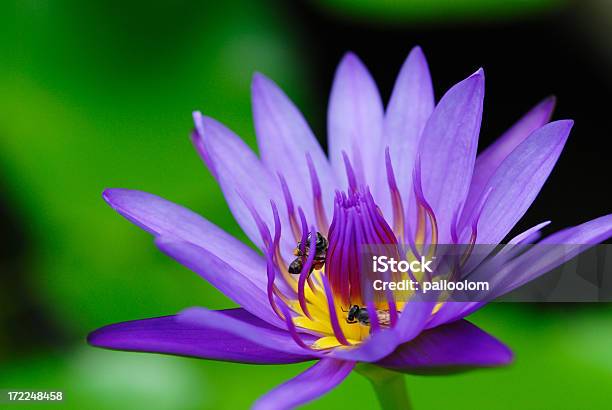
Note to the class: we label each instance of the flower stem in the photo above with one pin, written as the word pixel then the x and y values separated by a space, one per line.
pixel 389 386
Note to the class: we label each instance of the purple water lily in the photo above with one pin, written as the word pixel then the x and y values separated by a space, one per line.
pixel 405 175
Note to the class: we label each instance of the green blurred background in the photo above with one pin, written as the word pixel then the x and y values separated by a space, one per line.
pixel 99 94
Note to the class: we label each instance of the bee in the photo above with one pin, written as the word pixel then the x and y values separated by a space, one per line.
pixel 357 314
pixel 296 266
pixel 321 245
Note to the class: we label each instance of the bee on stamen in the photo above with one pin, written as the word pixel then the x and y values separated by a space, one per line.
pixel 357 314
pixel 321 245
pixel 296 266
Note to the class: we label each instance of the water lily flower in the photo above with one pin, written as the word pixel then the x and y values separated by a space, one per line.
pixel 407 174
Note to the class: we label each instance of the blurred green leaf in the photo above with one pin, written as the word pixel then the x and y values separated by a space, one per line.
pixel 97 379
pixel 100 94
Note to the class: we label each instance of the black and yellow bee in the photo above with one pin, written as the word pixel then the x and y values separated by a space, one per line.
pixel 321 245
pixel 357 314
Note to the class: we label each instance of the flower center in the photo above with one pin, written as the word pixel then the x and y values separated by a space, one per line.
pixel 357 223
pixel 322 289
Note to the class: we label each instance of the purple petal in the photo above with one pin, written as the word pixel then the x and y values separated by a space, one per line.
pixel 265 336
pixel 164 218
pixel 355 119
pixel 377 346
pixel 518 180
pixel 551 252
pixel 448 149
pixel 453 310
pixel 413 319
pixel 221 275
pixel 530 235
pixel 492 157
pixel 382 343
pixel 284 139
pixel 448 348
pixel 240 174
pixel 313 383
pixel 171 336
pixel 538 260
pixel 589 233
pixel 374 348
pixel 410 106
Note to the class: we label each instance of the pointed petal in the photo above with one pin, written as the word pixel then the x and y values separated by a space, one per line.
pixel 551 252
pixel 265 336
pixel 380 344
pixel 492 157
pixel 374 348
pixel 410 106
pixel 170 336
pixel 538 260
pixel 284 139
pixel 240 174
pixel 413 318
pixel 221 275
pixel 452 310
pixel 518 180
pixel 447 349
pixel 313 383
pixel 448 149
pixel 377 346
pixel 530 235
pixel 355 120
pixel 164 218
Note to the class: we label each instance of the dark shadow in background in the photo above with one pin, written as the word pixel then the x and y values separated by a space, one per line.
pixel 524 60
pixel 24 326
